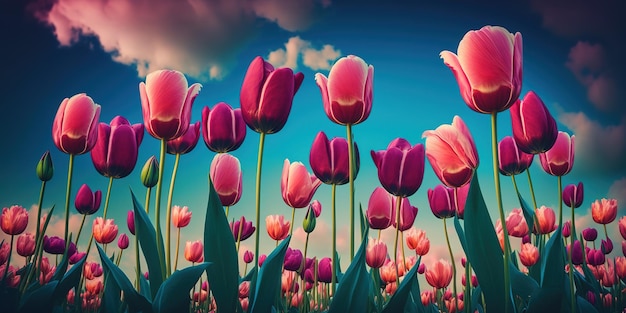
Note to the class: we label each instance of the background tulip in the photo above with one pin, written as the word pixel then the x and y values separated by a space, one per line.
pixel 567 229
pixel 166 103
pixel 347 93
pixel 545 219
pixel 194 251
pixel 380 209
pixel 590 234
pixel 227 178
pixel 441 200
pixel 297 185
pixel 407 214
pixel 277 227
pixel 122 241
pixel 75 127
pixel 104 231
pixel 488 68
pixel 266 96
pixel 116 150
pixel 534 128
pixel 14 220
pixel 186 142
pixel 622 226
pixel 604 211
pixel 56 245
pixel 180 216
pixel 400 167
pixel 45 169
pixel 223 128
pixel 516 224
pixel 246 229
pixel 416 240
pixel 559 160
pixel 439 274
pixel 329 159
pixel 25 244
pixel 248 257
pixel 130 221
pixel 86 201
pixel 324 272
pixel 376 253
pixel 573 195
pixel 511 159
pixel 150 172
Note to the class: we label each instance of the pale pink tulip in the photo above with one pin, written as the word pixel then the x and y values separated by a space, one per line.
pixel 297 185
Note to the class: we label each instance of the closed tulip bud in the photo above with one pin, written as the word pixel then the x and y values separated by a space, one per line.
pixel 607 246
pixel 441 200
pixel 622 226
pixel 590 234
pixel 546 220
pixel 180 216
pixel 604 211
pixel 329 159
pixel 56 245
pixel 559 160
pixel 534 128
pixel 277 227
pixel 516 224
pixel 76 257
pixel 227 177
pixel 122 241
pixel 573 195
pixel 308 224
pixel 400 167
pixel 293 260
pixel 512 160
pixel 526 239
pixel 297 185
pixel 25 244
pixel 75 127
pixel 567 229
pixel 407 214
pixel 45 169
pixel 380 209
pixel 223 128
pixel 194 251
pixel 421 269
pixel 266 96
pixel 324 270
pixel 14 220
pixel 86 201
pixel 595 257
pixel 528 254
pixel 150 172
pixel 316 206
pixel 104 231
pixel 186 142
pixel 115 153
pixel 488 68
pixel 244 226
pixel 130 221
pixel 439 274
pixel 376 253
pixel 452 153
pixel 248 256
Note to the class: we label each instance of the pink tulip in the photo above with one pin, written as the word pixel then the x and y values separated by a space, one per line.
pixel 604 211
pixel 559 160
pixel 452 153
pixel 248 256
pixel 297 185
pixel 461 198
pixel 407 214
pixel 376 253
pixel 546 220
pixel 622 226
pixel 416 240
pixel 186 142
pixel 347 93
pixel 86 201
pixel 400 167
pixel 104 231
pixel 620 267
pixel 441 200
pixel 528 254
pixel 5 249
pixel 380 209
pixel 488 68
pixel 12 279
pixel 246 228
pixel 46 271
pixel 166 103
pixel 76 257
pixel 595 257
pixel 92 270
pixel 277 227
pixel 223 128
pixel 590 234
pixel 25 244
pixel 534 128
pixel 329 159
pixel 116 150
pixel 244 289
pixel 14 220
pixel 516 224
pixel 194 251
pixel 439 274
pixel 130 221
pixel 511 159
pixel 567 229
pixel 324 271
pixel 180 216
pixel 122 242
pixel 75 127
pixel 266 96
pixel 293 260
pixel 573 195
pixel 227 178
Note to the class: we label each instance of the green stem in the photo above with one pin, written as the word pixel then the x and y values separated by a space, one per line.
pixel 227 209
pixel 68 190
pixel 334 243
pixel 395 245
pixel 38 237
pixel 80 229
pixel 532 190
pixel 148 191
pixel 177 249
pixel 39 204
pixel 106 200
pixel 168 217
pixel 445 230
pixel 468 285
pixel 302 268
pixel 137 263
pixel 239 234
pixel 535 222
pixel 571 281
pixel 351 171
pixel 293 215
pixel 496 178
pixel 402 250
pixel 258 195
pixel 157 206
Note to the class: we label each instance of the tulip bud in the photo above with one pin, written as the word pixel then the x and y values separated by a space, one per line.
pixel 248 257
pixel 573 195
pixel 45 169
pixel 590 234
pixel 130 221
pixel 309 221
pixel 122 241
pixel 150 172
pixel 567 229
pixel 607 246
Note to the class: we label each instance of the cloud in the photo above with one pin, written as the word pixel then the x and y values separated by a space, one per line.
pixel 618 191
pixel 198 37
pixel 296 48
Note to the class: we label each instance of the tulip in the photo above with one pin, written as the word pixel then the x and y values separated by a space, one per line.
pixel 347 93
pixel 329 159
pixel 620 267
pixel 309 222
pixel 567 229
pixel 186 142
pixel 45 169
pixel 267 95
pixel 622 226
pixel 607 246
pixel 400 167
pixel 546 220
pixel 47 270
pixel 324 272
pixel 534 128
pixel 277 227
pixel 130 221
pixel 194 251
pixel 166 103
pixel 227 177
pixel 92 270
pixel 452 153
pixel 316 206
pixel 461 198
pixel 14 220
pixel 441 200
pixel 5 249
pixel 559 160
pixel 76 257
pixel 297 185
pixel 573 195
pixel 376 253
pixel 590 234
pixel 150 172
pixel 246 229
pixel 180 216
pixel 262 258
pixel 86 201
pixel 244 289
pixel 516 224
pixel 416 240
pixel 407 214
pixel 439 275
pixel 223 128
pixel 512 160
pixel 428 297
pixel 595 257
pixel 488 68
pixel 248 257
pixel 380 209
pixel 604 211
pixel 528 254
pixel 56 245
pixel 122 242
pixel 25 244
pixel 104 231
pixel 75 127
pixel 293 260
pixel 116 150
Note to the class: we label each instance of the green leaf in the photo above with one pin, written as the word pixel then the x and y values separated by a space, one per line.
pixel 70 280
pixel 529 214
pixel 399 299
pixel 363 220
pixel 584 305
pixel 174 292
pixel 111 297
pixel 249 275
pixel 268 281
pixel 145 287
pixel 219 249
pixel 147 239
pixel 460 233
pixel 522 285
pixel 552 272
pixel 40 299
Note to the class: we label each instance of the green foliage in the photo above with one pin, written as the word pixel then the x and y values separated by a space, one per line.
pixel 147 239
pixel 174 292
pixel 399 299
pixel 268 282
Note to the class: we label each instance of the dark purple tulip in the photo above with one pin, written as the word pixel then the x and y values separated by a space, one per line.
pixel 186 142
pixel 559 160
pixel 400 167
pixel 223 128
pixel 441 200
pixel 512 160
pixel 246 230
pixel 324 270
pixel 407 214
pixel 534 128
pixel 573 195
pixel 130 221
pixel 122 241
pixel 526 239
pixel 56 245
pixel 607 246
pixel 116 150
pixel 595 257
pixel 567 229
pixel 267 95
pixel 76 257
pixel 293 259
pixel 577 253
pixel 380 209
pixel 329 159
pixel 87 202
pixel 590 234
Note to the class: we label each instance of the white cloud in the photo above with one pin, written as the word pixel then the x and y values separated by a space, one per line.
pixel 315 59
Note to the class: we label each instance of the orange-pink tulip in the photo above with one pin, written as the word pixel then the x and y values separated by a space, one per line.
pixel 194 251
pixel 297 185
pixel 104 231
pixel 439 274
pixel 416 240
pixel 604 211
pixel 25 244
pixel 546 220
pixel 277 227
pixel 622 226
pixel 14 220
pixel 75 127
pixel 528 254
pixel 180 216
pixel 376 253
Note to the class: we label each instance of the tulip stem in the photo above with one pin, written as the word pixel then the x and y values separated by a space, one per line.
pixel 157 206
pixel 138 277
pixel 293 215
pixel 334 243
pixel 258 194
pixel 168 217
pixel 445 230
pixel 468 285
pixel 80 229
pixel 395 245
pixel 496 178
pixel 532 190
pixel 177 249
pixel 227 209
pixel 351 171
pixel 70 170
pixel 106 201
pixel 535 221
pixel 38 233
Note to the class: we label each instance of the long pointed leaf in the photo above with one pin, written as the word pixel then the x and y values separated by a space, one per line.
pixel 147 240
pixel 70 280
pixel 399 299
pixel 174 292
pixel 267 286
pixel 529 214
pixel 39 300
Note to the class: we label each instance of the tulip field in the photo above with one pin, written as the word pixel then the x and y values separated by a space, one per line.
pixel 556 268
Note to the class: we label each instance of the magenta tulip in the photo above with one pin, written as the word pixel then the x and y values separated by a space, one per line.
pixel 122 242
pixel 607 245
pixel 115 153
pixel 297 185
pixel 223 128
pixel 56 245
pixel 380 209
pixel 86 201
pixel 441 200
pixel 400 167
pixel 573 195
pixel 452 153
pixel 534 128
pixel 166 102
pixel 227 178
pixel 512 160
pixel 246 229
pixel 590 234
pixel 576 252
pixel 559 160
pixel 75 127
pixel 461 198
pixel 266 96
pixel 186 142
pixel 293 260
pixel 329 159
pixel 130 221
pixel 324 272
pixel 407 214
pixel 347 93
pixel 248 257
pixel 488 68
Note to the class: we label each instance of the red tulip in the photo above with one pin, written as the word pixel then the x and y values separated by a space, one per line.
pixel 452 153
pixel 559 160
pixel 511 159
pixel 92 270
pixel 329 159
pixel 622 226
pixel 277 227
pixel 488 68
pixel 194 251
pixel 534 128
pixel 376 253
pixel 86 201
pixel 75 128
pixel 400 167
pixel 25 244
pixel 573 195
pixel 439 275
pixel 104 231
pixel 14 220
pixel 186 142
pixel 620 267
pixel 5 249
pixel 223 128
pixel 116 150
pixel 380 209
pixel 266 96
pixel 180 216
pixel 347 93
pixel 528 254
pixel 604 211
pixel 297 185
pixel 166 102
pixel 227 178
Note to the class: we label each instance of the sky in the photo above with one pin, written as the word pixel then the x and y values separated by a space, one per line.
pixel 55 49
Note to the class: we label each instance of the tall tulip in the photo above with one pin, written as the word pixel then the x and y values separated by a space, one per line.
pixel 223 128
pixel 227 177
pixel 534 128
pixel 75 127
pixel 380 209
pixel 116 150
pixel 25 244
pixel 439 274
pixel 194 251
pixel 277 227
pixel 442 201
pixel 329 159
pixel 400 167
pixel 512 160
pixel 297 186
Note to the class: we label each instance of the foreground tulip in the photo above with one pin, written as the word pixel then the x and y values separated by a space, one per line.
pixel 75 127
pixel 14 220
pixel 25 244
pixel 545 219
pixel 347 93
pixel 604 211
pixel 186 142
pixel 452 153
pixel 400 167
pixel 104 231
pixel 180 216
pixel 516 224
pixel 559 160
pixel 86 201
pixel 329 159
pixel 277 227
pixel 227 177
pixel 534 128
pixel 223 128
pixel 573 195
pixel 376 253
pixel 512 160
pixel 488 68
pixel 528 254
pixel 439 274
pixel 166 102
pixel 194 251
pixel 116 150
pixel 297 185
pixel 380 209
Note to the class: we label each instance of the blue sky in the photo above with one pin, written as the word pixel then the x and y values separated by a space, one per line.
pixel 57 49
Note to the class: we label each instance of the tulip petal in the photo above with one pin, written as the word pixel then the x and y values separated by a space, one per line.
pixel 452 61
pixel 276 100
pixel 122 151
pixel 321 159
pixel 251 87
pixel 99 154
pixel 346 81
